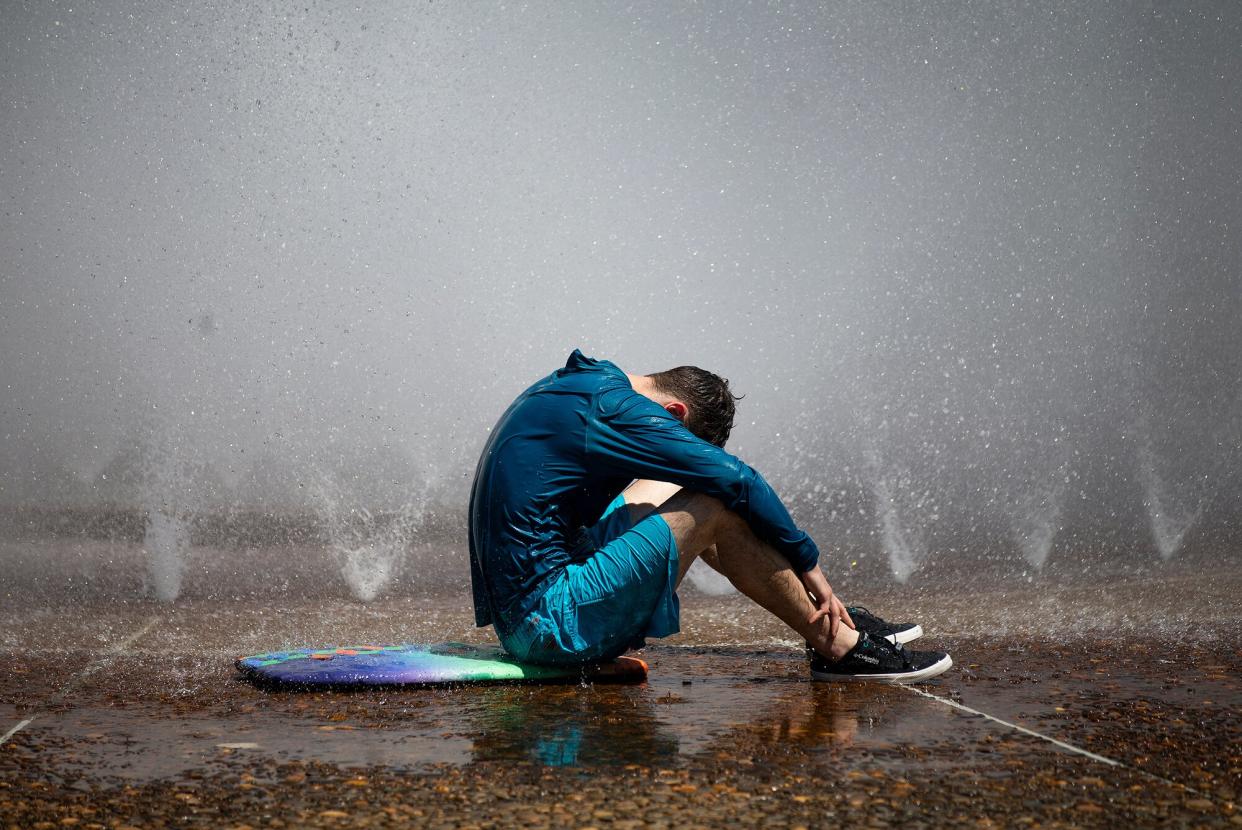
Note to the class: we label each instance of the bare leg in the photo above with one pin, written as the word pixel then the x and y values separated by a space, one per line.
pixel 703 527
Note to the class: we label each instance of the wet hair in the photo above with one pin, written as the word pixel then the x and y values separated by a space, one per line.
pixel 707 397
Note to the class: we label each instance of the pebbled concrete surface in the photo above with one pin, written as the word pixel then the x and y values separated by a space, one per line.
pixel 138 719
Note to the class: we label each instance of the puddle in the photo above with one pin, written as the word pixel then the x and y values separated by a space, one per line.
pixel 696 706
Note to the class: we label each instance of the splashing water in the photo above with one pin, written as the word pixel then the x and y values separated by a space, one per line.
pixel 169 498
pixel 165 543
pixel 1181 479
pixel 1169 521
pixel 1174 509
pixel 368 562
pixel 1035 519
pixel 1035 529
pixel 905 546
pixel 369 548
pixel 904 543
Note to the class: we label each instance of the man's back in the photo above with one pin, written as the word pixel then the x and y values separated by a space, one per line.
pixel 533 489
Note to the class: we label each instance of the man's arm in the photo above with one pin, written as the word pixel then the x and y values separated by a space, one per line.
pixel 634 437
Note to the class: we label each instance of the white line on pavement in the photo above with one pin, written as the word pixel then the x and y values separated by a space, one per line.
pixel 1112 762
pixel 953 703
pixel 101 662
pixel 20 726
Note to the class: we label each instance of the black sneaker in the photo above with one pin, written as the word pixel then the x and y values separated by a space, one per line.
pixel 895 633
pixel 880 661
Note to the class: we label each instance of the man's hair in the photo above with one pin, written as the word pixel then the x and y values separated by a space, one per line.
pixel 707 397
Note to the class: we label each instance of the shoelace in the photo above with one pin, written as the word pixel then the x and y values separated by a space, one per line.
pixel 882 626
pixel 896 648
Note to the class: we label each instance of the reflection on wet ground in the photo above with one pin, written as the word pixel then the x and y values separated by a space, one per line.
pixel 693 705
pixel 134 712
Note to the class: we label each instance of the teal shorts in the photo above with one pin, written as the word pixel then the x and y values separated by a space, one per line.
pixel 620 589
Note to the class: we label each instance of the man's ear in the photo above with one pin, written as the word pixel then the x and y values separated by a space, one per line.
pixel 677 409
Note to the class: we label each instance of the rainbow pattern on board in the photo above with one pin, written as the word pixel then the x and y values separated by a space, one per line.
pixel 423 664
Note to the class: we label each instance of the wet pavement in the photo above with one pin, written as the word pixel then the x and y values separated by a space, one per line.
pixel 1109 704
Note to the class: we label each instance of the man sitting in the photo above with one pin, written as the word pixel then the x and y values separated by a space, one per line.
pixel 598 489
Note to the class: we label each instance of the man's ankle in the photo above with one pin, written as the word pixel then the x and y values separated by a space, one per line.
pixel 845 640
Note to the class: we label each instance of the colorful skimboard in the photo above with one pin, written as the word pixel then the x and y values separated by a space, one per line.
pixel 423 665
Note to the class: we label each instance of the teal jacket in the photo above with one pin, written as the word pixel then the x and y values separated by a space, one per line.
pixel 565 448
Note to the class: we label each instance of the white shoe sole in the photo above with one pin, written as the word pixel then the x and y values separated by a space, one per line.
pixel 939 667
pixel 906 636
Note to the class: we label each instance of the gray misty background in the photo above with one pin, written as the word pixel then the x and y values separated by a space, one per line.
pixel 974 264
